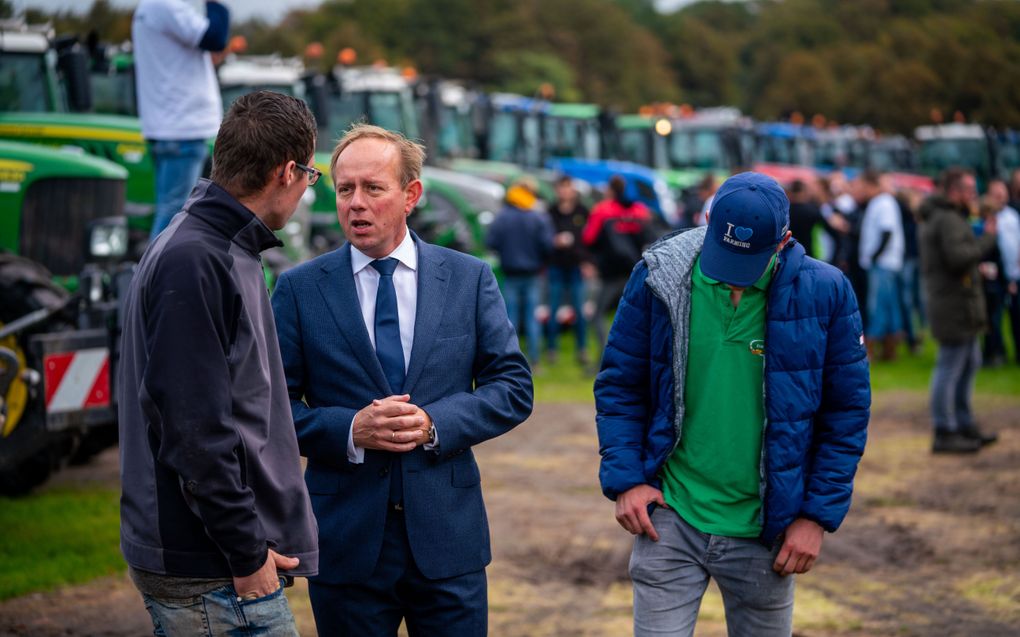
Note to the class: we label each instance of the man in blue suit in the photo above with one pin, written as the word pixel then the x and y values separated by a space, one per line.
pixel 399 358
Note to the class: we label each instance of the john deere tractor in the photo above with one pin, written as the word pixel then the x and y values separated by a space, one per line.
pixel 63 236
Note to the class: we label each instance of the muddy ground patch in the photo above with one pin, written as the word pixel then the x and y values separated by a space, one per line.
pixel 931 546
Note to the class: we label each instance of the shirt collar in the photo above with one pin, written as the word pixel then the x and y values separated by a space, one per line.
pixel 762 283
pixel 406 253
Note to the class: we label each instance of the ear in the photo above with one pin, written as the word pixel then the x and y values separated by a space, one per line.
pixel 412 194
pixel 786 239
pixel 286 173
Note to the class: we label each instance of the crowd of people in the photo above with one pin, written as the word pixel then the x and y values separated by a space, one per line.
pixel 945 263
pixel 865 226
pixel 572 247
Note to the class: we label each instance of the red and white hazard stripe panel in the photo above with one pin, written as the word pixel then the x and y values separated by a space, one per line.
pixel 77 380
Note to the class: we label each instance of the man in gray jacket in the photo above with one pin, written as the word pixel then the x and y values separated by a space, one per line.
pixel 214 505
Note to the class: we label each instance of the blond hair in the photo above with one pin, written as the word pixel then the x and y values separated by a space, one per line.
pixel 412 154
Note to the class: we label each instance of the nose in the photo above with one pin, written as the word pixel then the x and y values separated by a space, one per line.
pixel 357 199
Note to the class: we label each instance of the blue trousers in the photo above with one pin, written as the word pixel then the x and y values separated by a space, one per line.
pixel 884 303
pixel 219 612
pixel 570 281
pixel 521 295
pixel 670 577
pixel 178 165
pixel 457 606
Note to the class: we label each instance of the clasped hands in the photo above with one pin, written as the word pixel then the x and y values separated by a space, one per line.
pixel 391 424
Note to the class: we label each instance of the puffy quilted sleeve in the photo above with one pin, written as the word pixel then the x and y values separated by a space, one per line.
pixel 622 389
pixel 840 425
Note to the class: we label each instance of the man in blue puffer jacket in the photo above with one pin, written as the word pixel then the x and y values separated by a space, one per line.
pixel 733 404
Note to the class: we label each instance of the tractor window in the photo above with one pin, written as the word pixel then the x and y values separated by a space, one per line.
pixel 503 137
pixel 697 149
pixel 23 83
pixel 634 146
pixel 386 111
pixel 231 93
pixel 939 154
pixel 114 93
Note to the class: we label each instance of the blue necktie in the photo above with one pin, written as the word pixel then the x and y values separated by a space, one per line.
pixel 390 353
pixel 387 326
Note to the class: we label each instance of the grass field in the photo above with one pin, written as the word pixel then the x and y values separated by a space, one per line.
pixel 57 537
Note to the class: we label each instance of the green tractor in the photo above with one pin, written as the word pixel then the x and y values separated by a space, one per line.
pixel 46 98
pixel 685 149
pixel 63 238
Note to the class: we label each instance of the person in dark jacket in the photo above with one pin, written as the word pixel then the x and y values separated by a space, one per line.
pixel 950 254
pixel 569 266
pixel 522 237
pixel 214 507
pixel 617 231
pixel 732 409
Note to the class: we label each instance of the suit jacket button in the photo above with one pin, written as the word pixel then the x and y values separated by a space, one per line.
pixel 383 472
pixel 191 486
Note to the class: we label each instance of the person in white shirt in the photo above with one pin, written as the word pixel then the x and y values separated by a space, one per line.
pixel 178 94
pixel 1008 301
pixel 881 253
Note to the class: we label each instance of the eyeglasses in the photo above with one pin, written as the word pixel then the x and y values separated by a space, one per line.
pixel 313 173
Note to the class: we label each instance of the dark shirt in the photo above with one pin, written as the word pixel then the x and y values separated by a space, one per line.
pixel 572 222
pixel 803 218
pixel 911 250
pixel 522 239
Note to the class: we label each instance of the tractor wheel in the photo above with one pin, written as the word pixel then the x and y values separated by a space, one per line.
pixel 25 286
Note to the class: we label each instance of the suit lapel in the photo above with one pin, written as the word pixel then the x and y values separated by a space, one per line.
pixel 433 277
pixel 336 283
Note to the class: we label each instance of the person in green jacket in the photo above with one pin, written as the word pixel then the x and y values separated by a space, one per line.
pixel 950 254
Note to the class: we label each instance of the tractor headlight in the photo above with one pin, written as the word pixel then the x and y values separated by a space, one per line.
pixel 108 238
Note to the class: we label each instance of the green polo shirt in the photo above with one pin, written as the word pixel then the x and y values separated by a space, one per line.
pixel 712 478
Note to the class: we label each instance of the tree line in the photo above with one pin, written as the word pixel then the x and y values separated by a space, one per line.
pixel 893 64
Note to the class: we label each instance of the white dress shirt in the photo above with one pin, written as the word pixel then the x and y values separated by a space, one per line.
pixel 882 215
pixel 405 284
pixel 1009 242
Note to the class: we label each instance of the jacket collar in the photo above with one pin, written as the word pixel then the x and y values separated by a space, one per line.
pixel 218 208
pixel 671 260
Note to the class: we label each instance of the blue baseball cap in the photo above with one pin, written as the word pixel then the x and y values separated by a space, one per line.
pixel 749 216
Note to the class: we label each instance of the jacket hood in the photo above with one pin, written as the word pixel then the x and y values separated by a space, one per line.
pixel 671 259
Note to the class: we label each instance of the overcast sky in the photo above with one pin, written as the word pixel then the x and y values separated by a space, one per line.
pixel 268 10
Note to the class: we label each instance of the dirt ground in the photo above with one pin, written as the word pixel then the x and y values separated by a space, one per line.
pixel 931 545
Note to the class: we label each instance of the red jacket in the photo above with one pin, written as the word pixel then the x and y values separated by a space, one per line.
pixel 613 209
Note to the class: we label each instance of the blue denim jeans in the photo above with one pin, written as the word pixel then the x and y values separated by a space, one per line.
pixel 571 281
pixel 884 303
pixel 911 305
pixel 670 577
pixel 219 612
pixel 521 295
pixel 952 384
pixel 178 165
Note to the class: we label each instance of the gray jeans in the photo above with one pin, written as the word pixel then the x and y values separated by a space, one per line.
pixel 952 385
pixel 671 575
